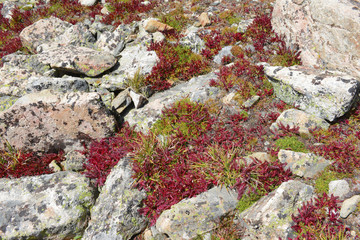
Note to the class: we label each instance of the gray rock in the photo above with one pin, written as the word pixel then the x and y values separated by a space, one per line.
pixel 138 99
pixel 42 31
pixel 251 101
pixel 67 84
pixel 74 161
pixel 270 217
pixel 244 24
pixel 112 42
pixel 134 58
pixel 113 82
pixel 296 118
pixel 79 60
pixel 121 101
pixel 53 206
pixel 115 214
pixel 339 188
pixel 326 31
pixel 48 121
pixel 6 102
pixel 225 51
pixel 192 40
pixel 197 89
pixel 87 2
pixel 349 206
pixel 325 94
pixel 303 164
pixel 198 215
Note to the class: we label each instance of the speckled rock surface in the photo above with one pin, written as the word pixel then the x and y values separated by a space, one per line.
pixel 198 215
pixel 42 31
pixel 339 188
pixel 197 89
pixel 301 119
pixel 349 206
pixel 325 94
pixel 52 121
pixel 327 31
pixel 80 60
pixel 53 206
pixel 270 217
pixel 303 164
pixel 116 212
pixel 66 84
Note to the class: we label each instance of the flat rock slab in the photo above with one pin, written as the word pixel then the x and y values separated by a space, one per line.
pixel 65 84
pixel 115 214
pixel 79 60
pixel 197 89
pixel 198 215
pixel 49 121
pixel 53 206
pixel 328 95
pixel 43 31
pixel 270 217
pixel 303 164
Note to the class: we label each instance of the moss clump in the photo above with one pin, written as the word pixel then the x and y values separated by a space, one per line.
pixel 247 200
pixel 291 143
pixel 185 117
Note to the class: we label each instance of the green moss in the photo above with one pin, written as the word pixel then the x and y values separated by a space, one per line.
pixel 291 143
pixel 247 200
pixel 326 176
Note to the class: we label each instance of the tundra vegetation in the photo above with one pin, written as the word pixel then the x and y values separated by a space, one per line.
pixel 195 146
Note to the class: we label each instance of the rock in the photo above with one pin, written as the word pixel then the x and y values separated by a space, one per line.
pixel 326 31
pixel 349 206
pixel 198 215
pixel 296 118
pixel 303 164
pixel 74 161
pixel 244 24
pixel 153 25
pixel 6 102
pixel 115 214
pixel 192 40
pixel 53 206
pixel 339 188
pixel 77 35
pixel 79 60
pixel 67 84
pixel 48 121
pixel 204 19
pixel 112 42
pixel 138 99
pixel 251 101
pixel 121 101
pixel 158 37
pixel 325 94
pixel 270 217
pixel 135 58
pixel 87 2
pixel 42 31
pixel 224 52
pixel 197 89
pixel 262 156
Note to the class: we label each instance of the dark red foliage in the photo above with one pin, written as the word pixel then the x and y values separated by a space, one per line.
pixel 28 164
pixel 103 155
pixel 321 215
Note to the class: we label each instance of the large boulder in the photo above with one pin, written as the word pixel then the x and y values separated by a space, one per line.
pixel 327 31
pixel 48 121
pixel 116 212
pixel 270 217
pixel 53 206
pixel 78 60
pixel 325 94
pixel 198 215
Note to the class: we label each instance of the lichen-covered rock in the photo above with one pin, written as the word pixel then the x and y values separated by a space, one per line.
pixel 349 206
pixel 53 206
pixel 192 40
pixel 198 215
pixel 136 58
pixel 79 60
pixel 339 188
pixel 327 31
pixel 224 52
pixel 152 25
pixel 48 121
pixel 42 31
pixel 270 217
pixel 115 214
pixel 66 84
pixel 297 118
pixel 197 89
pixel 303 164
pixel 325 94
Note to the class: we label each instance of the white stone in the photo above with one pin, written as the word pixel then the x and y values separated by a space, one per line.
pixel 339 188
